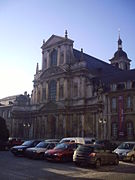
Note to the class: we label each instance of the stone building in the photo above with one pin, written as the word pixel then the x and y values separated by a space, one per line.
pixel 6 105
pixel 75 94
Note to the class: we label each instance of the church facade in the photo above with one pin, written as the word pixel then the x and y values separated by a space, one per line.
pixel 75 94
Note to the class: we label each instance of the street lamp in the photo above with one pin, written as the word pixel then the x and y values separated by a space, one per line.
pixel 102 121
pixel 26 126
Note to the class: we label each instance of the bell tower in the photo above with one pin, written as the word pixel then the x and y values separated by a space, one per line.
pixel 120 58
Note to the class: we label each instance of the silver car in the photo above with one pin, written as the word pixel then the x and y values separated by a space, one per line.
pixel 126 151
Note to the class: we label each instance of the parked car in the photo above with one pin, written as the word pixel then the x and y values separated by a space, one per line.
pixel 53 140
pixel 38 151
pixel 62 152
pixel 106 144
pixel 20 150
pixel 94 155
pixel 14 141
pixel 80 140
pixel 126 151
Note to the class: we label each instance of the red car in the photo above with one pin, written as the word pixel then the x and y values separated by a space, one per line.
pixel 13 141
pixel 62 152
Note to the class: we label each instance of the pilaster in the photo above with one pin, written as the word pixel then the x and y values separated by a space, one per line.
pixel 65 89
pixel 58 57
pixel 82 117
pixel 57 92
pixel 65 53
pixel 47 91
pixel 48 59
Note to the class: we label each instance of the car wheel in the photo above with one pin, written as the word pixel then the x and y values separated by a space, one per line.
pixel 116 161
pixel 98 163
pixel 132 159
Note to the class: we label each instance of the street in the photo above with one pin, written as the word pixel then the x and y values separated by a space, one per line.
pixel 20 168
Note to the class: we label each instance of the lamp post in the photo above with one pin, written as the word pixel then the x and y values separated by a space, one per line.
pixel 26 126
pixel 102 122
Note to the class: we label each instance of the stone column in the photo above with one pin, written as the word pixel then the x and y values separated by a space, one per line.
pixel 83 87
pixel 43 60
pixel 48 59
pixel 57 132
pixel 46 126
pixel 108 117
pixel 57 92
pixel 41 93
pixel 97 125
pixel 65 89
pixel 36 95
pixel 82 117
pixel 65 53
pixel 47 91
pixel 64 125
pixel 58 57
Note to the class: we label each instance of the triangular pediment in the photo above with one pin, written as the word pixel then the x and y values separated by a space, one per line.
pixel 54 40
pixel 51 106
pixel 52 71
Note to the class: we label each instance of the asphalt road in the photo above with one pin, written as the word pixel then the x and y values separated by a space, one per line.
pixel 20 168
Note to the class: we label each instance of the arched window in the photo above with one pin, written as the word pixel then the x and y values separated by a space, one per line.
pixel 61 57
pixel 53 58
pixel 113 103
pixel 75 89
pixel 130 129
pixel 120 86
pixel 61 91
pixel 128 85
pixel 52 90
pixel 128 102
pixel 44 94
pixel 114 130
pixel 133 84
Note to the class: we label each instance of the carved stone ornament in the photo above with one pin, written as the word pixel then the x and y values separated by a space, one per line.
pixel 52 71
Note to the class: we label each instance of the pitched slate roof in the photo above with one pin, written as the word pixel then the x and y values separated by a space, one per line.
pixel 95 65
pixel 121 76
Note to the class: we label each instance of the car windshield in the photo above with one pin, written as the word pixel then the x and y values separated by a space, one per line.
pixel 65 140
pixel 101 142
pixel 42 145
pixel 27 143
pixel 62 146
pixel 126 146
pixel 85 148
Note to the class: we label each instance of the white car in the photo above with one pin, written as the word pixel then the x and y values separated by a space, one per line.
pixel 80 140
pixel 126 151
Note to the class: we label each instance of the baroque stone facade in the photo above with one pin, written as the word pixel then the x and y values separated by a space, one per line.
pixel 75 94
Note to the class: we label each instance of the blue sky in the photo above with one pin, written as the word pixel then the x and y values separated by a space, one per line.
pixel 92 24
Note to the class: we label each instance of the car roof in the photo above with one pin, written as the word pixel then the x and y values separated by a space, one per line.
pixel 130 142
pixel 91 145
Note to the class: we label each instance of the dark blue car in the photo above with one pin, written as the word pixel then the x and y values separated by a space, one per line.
pixel 20 150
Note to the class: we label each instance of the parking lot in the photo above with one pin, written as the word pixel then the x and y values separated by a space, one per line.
pixel 20 168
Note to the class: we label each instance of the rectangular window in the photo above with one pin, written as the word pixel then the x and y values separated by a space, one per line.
pixel 128 85
pixel 113 103
pixel 9 114
pixel 75 89
pixel 61 91
pixel 129 102
pixel 113 87
pixel 44 94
